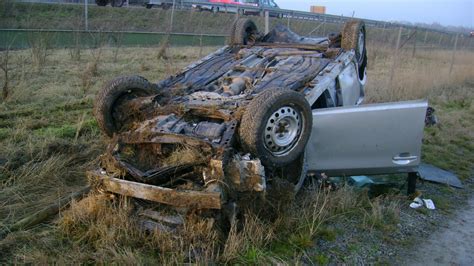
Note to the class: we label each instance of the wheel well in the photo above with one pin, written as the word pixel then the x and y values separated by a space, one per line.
pixel 321 102
pixel 324 101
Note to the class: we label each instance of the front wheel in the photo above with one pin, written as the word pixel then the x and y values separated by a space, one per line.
pixel 113 95
pixel 244 32
pixel 353 37
pixel 276 127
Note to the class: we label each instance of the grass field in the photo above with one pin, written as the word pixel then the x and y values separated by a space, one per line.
pixel 48 138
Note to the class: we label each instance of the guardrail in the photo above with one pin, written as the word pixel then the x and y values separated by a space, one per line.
pixel 282 13
pixel 293 14
pixel 25 38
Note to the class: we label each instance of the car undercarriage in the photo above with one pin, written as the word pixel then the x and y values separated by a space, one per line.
pixel 229 123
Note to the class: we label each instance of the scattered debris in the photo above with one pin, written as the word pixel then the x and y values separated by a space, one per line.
pixel 419 202
pixel 432 173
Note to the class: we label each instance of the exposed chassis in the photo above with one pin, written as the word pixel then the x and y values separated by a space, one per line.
pixel 209 108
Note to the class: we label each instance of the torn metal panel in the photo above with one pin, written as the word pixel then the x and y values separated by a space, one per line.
pixel 432 173
pixel 177 198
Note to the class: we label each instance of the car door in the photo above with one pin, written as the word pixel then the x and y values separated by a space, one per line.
pixel 367 139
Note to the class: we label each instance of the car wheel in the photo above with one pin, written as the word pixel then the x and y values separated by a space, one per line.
pixel 276 126
pixel 353 37
pixel 116 93
pixel 244 32
pixel 101 2
pixel 148 6
pixel 117 3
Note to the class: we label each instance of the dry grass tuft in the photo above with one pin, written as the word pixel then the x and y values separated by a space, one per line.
pixel 415 77
pixel 184 155
pixel 40 162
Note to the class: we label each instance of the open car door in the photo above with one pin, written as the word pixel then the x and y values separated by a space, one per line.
pixel 367 139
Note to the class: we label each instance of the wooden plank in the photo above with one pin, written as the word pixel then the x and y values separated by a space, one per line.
pixel 49 211
pixel 182 198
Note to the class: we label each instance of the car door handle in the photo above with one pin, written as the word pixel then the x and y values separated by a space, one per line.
pixel 404 160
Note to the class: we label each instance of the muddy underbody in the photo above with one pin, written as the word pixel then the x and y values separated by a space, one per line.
pixel 180 146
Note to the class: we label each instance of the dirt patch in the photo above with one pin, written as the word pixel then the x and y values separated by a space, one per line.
pixel 452 244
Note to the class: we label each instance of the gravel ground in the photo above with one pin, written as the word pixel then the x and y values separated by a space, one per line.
pixel 356 244
pixel 451 245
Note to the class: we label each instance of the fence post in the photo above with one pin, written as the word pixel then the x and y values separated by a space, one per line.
pixel 267 21
pixel 86 15
pixel 172 17
pixel 383 32
pixel 454 53
pixel 395 59
pixel 414 43
pixel 288 22
pixel 440 38
pixel 426 36
pixel 324 27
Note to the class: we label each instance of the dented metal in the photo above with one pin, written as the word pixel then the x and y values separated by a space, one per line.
pixel 180 146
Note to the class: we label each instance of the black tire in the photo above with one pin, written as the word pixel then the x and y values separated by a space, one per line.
pixel 253 131
pixel 244 32
pixel 114 93
pixel 117 3
pixel 148 6
pixel 101 2
pixel 351 33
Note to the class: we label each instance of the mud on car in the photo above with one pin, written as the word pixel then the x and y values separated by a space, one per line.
pixel 264 106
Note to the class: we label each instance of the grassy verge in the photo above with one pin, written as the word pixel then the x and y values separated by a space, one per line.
pixel 48 138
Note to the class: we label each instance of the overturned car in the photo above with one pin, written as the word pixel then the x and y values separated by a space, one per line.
pixel 265 106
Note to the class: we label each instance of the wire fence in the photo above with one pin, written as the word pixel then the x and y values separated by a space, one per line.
pixel 67 24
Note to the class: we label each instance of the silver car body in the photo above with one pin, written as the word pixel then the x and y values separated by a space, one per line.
pixel 367 139
pixel 349 138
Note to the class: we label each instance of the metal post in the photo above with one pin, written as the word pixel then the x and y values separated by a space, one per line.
pixel 86 22
pixel 383 32
pixel 411 181
pixel 267 22
pixel 440 38
pixel 324 27
pixel 414 43
pixel 426 36
pixel 172 17
pixel 395 58
pixel 454 54
pixel 288 22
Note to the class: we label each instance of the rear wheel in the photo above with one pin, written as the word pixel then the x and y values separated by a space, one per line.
pixel 276 126
pixel 117 3
pixel 353 37
pixel 101 2
pixel 244 32
pixel 113 95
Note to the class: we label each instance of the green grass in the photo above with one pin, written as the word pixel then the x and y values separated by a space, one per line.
pixel 38 126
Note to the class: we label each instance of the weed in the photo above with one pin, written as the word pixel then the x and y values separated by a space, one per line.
pixel 40 163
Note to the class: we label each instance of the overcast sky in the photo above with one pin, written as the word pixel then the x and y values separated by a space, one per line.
pixel 446 12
